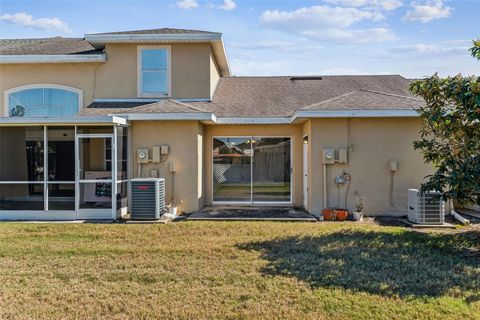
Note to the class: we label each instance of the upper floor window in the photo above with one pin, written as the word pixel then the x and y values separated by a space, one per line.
pixel 43 101
pixel 153 71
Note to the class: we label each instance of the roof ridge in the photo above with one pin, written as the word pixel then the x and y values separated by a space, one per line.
pixel 329 100
pixel 391 94
pixel 169 100
pixel 317 75
pixel 186 105
pixel 144 31
pixel 39 39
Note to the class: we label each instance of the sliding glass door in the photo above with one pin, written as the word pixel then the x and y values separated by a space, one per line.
pixel 252 169
pixel 232 169
pixel 271 170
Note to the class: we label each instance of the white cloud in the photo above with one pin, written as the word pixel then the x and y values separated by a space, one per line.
pixel 264 45
pixel 26 20
pixel 343 71
pixel 318 17
pixel 247 66
pixel 356 35
pixel 444 49
pixel 427 11
pixel 325 22
pixel 278 45
pixel 187 4
pixel 227 5
pixel 387 5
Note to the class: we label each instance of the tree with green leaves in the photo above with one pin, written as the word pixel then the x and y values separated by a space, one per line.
pixel 450 133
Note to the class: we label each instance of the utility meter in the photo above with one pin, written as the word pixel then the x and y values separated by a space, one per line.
pixel 328 156
pixel 142 155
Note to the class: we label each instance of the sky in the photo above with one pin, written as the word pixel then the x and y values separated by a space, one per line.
pixel 414 38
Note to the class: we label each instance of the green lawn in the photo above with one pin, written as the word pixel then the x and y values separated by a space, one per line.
pixel 231 270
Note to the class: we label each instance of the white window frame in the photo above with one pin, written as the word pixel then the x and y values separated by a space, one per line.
pixel 6 105
pixel 140 92
pixel 252 202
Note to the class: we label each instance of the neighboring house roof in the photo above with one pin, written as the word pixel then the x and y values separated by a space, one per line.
pixel 46 46
pixel 270 97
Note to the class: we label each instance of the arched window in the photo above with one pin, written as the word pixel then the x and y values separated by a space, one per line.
pixel 43 101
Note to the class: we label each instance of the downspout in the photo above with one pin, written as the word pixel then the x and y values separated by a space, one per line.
pixel 325 205
pixel 457 216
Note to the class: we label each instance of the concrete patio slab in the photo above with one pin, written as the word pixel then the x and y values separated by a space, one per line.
pixel 445 225
pixel 252 213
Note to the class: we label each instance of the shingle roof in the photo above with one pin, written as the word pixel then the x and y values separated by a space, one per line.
pixel 164 106
pixel 281 96
pixel 247 97
pixel 367 100
pixel 45 46
pixel 161 31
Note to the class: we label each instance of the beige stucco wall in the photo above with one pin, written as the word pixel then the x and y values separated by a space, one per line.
pixel 183 139
pixel 192 74
pixel 77 75
pixel 373 143
pixel 293 131
pixel 214 75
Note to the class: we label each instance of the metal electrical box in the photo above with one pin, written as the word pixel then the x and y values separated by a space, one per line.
pixel 142 156
pixel 148 198
pixel 328 156
pixel 164 150
pixel 156 154
pixel 342 156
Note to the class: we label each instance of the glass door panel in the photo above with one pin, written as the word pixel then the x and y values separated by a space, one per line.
pixel 232 169
pixel 271 168
pixel 95 176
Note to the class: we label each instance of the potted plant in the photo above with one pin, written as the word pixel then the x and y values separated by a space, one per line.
pixel 340 214
pixel 172 209
pixel 327 214
pixel 358 213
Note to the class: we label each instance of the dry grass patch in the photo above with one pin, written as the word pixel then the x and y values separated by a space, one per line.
pixel 231 270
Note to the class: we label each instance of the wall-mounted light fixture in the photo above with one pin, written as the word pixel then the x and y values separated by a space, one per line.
pixel 305 140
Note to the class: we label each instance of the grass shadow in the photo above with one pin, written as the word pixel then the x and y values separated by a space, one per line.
pixel 387 263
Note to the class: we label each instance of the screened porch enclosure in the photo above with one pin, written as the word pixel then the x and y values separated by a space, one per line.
pixel 63 172
pixel 252 169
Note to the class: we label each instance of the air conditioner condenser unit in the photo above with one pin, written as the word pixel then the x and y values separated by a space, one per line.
pixel 426 208
pixel 148 198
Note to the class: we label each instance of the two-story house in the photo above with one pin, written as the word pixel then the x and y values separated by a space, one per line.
pixel 81 117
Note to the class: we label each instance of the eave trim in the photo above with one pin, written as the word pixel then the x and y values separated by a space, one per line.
pixel 53 58
pixel 109 38
pixel 63 120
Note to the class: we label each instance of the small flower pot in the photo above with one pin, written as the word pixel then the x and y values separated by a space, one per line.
pixel 341 215
pixel 357 216
pixel 327 214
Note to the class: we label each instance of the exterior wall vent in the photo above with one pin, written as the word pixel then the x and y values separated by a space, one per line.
pixel 425 208
pixel 148 198
pixel 297 78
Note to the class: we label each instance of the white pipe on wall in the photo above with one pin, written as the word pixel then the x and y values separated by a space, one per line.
pixel 325 205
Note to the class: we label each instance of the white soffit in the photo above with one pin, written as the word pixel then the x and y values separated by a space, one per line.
pixel 297 117
pixel 385 113
pixel 104 120
pixel 52 58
